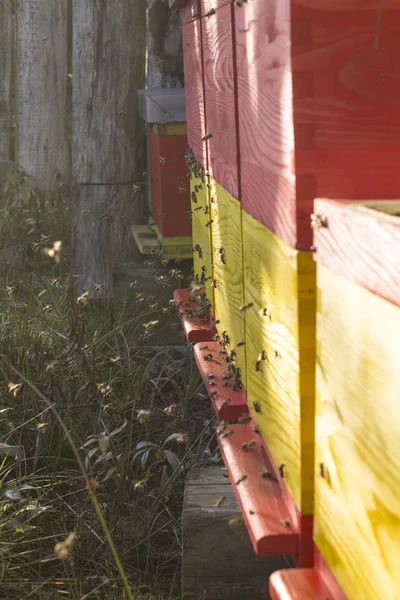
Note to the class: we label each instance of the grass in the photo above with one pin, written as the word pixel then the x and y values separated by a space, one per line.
pixel 97 430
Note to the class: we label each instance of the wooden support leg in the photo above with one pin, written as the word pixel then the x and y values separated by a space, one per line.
pixel 219 562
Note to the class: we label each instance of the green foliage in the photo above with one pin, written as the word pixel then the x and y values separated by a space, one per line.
pixel 138 419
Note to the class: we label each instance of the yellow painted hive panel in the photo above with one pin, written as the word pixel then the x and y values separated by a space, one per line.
pixel 202 236
pixel 280 291
pixel 226 214
pixel 357 515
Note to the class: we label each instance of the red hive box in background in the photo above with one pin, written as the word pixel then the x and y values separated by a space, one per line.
pixel 170 195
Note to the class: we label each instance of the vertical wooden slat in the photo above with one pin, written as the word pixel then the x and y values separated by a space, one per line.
pixel 5 78
pixel 42 80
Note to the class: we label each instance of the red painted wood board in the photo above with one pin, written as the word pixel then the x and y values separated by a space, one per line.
pixel 261 501
pixel 220 98
pixel 194 92
pixel 262 31
pixel 196 329
pixel 170 194
pixel 228 404
pixel 300 584
pixel 318 99
pixel 190 11
pixel 209 5
pixel 361 244
pixel 346 104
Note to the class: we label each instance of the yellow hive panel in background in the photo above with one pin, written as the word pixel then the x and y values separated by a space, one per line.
pixel 280 289
pixel 226 214
pixel 357 510
pixel 201 234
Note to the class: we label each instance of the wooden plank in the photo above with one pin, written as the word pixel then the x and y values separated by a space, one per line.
pixel 218 560
pixel 318 101
pixel 262 31
pixel 362 243
pixel 280 352
pixel 197 324
pixel 220 98
pixel 357 521
pixel 228 403
pixel 209 5
pixel 146 239
pixel 260 497
pixel 170 187
pixel 346 103
pixel 202 240
pixel 42 99
pixel 194 89
pixel 300 584
pixel 226 214
pixel 190 11
pixel 6 27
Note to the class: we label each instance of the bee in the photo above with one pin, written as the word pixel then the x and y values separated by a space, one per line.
pixel 213 394
pixel 208 357
pixel 322 470
pixel 171 409
pixel 251 512
pixel 206 137
pixel 211 383
pixel 264 312
pixel 262 355
pixel 258 366
pixel 210 12
pixel 246 306
pixel 212 200
pixel 221 427
pixel 204 348
pixel 241 479
pixel 210 376
pixel 318 221
pixel 267 475
pixel 286 523
pixel 257 406
pixel 163 160
pixel 215 338
pixel 210 222
pixel 143 416
pixel 257 430
pixel 226 403
pixel 237 386
pixel 221 250
pixel 240 344
pixel 54 252
pixel 223 259
pixel 228 433
pixel 244 419
pixel 214 283
pixel 193 196
pixel 205 208
pixel 216 322
pixel 236 521
pixel 282 470
pixel 220 501
pixel 246 446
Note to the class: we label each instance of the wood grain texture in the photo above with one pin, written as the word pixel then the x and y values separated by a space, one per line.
pixel 170 187
pixel 202 235
pixel 108 134
pixel 228 404
pixel 226 214
pixel 357 524
pixel 281 282
pixel 349 58
pixel 362 243
pixel 300 584
pixel 219 562
pixel 220 98
pixel 42 97
pixel 207 5
pixel 262 31
pixel 194 90
pixel 260 499
pixel 190 11
pixel 6 26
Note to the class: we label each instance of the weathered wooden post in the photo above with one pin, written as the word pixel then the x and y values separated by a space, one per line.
pixel 5 78
pixel 42 147
pixel 108 135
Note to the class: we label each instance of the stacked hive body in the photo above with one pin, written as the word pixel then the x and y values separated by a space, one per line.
pixel 287 101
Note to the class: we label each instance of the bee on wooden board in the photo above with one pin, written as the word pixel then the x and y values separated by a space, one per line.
pixel 246 446
pixel 226 403
pixel 236 521
pixel 267 475
pixel 257 406
pixel 220 501
pixel 241 479
pixel 244 419
pixel 246 306
pixel 282 469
